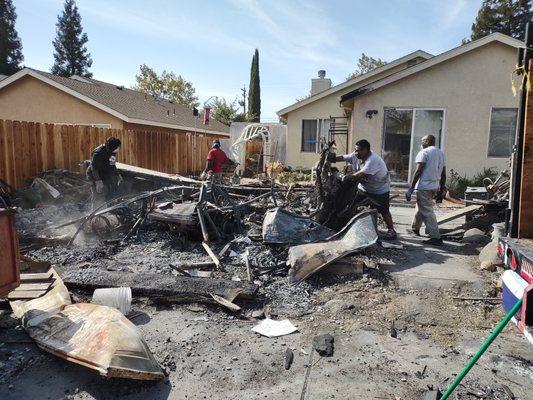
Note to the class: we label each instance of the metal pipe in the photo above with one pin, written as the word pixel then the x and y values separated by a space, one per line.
pixel 481 350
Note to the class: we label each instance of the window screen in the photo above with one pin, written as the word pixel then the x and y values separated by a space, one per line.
pixel 502 131
pixel 309 135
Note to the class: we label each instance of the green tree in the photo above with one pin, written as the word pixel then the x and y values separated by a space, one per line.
pixel 168 86
pixel 70 53
pixel 505 16
pixel 366 64
pixel 254 94
pixel 223 110
pixel 10 45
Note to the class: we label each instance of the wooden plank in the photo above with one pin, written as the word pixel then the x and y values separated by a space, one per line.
pixel 458 213
pixel 49 158
pixel 25 295
pixel 151 174
pixel 3 151
pixel 24 137
pixel 74 148
pixel 37 276
pixel 58 148
pixel 211 254
pixel 65 146
pixel 32 151
pixel 19 154
pixel 153 284
pixel 39 143
pixel 10 153
pixel 34 286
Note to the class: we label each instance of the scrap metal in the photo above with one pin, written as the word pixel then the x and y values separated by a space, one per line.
pixel 94 336
pixel 307 259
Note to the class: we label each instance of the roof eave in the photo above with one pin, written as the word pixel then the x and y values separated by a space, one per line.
pixel 457 51
pixel 415 54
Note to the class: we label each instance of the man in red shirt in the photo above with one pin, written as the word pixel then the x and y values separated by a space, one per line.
pixel 216 159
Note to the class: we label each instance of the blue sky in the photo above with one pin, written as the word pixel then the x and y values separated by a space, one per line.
pixel 211 43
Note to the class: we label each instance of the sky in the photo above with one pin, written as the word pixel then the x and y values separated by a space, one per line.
pixel 211 43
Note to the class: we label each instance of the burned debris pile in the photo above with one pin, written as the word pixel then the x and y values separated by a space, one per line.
pixel 245 249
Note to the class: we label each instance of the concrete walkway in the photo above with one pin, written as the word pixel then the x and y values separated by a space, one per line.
pixel 428 267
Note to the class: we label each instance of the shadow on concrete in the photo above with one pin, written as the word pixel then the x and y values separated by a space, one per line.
pixel 418 254
pixel 62 379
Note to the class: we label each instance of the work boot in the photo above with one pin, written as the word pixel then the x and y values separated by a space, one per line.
pixel 390 235
pixel 433 242
pixel 413 231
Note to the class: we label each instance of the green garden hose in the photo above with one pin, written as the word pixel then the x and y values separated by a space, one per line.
pixel 481 350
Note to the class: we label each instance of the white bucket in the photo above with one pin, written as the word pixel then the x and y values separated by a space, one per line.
pixel 119 298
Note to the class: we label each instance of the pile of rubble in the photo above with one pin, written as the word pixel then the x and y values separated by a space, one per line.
pixel 246 248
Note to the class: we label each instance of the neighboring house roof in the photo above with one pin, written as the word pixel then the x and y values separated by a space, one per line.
pixel 455 52
pixel 355 81
pixel 126 104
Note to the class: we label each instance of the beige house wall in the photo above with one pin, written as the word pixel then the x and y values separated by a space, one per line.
pixel 29 99
pixel 320 109
pixel 466 87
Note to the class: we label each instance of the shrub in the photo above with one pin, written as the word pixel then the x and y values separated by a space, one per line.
pixel 458 183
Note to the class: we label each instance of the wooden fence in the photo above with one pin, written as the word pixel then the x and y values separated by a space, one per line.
pixel 27 148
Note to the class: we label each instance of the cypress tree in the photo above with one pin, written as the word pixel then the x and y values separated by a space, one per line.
pixel 505 16
pixel 254 94
pixel 71 56
pixel 10 45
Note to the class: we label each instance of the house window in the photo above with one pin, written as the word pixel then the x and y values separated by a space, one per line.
pixel 313 132
pixel 502 131
pixel 309 135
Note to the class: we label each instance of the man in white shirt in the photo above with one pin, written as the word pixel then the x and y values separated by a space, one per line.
pixel 374 182
pixel 429 181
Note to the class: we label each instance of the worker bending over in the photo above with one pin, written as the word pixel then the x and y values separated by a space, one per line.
pixel 216 159
pixel 102 171
pixel 429 181
pixel 374 183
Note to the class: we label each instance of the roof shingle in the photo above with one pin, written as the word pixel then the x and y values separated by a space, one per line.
pixel 134 104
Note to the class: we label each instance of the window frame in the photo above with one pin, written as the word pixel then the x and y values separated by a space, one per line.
pixel 489 131
pixel 317 135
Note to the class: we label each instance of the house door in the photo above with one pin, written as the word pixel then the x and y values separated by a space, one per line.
pixel 402 134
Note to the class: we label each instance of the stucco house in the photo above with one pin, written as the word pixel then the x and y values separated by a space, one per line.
pixel 37 96
pixel 462 96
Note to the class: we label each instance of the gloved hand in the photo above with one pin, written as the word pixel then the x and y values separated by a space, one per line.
pixel 332 157
pixel 439 197
pixel 408 194
pixel 99 186
pixel 349 178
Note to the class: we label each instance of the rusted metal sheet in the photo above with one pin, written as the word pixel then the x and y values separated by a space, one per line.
pixel 306 259
pixel 9 253
pixel 95 336
pixel 283 227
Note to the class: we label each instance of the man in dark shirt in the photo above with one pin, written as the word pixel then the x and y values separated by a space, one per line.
pixel 102 171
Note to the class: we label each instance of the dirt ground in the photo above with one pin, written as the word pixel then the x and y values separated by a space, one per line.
pixel 208 353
